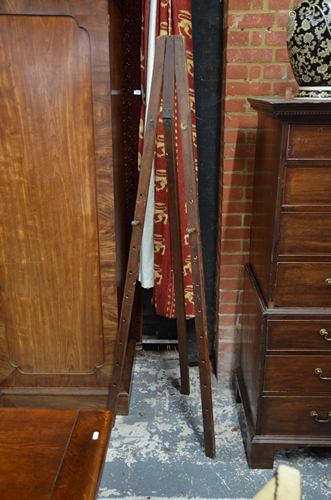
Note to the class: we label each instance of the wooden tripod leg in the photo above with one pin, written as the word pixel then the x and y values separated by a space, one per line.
pixel 184 111
pixel 138 224
pixel 174 214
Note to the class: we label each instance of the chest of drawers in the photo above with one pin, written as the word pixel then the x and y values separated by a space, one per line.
pixel 284 378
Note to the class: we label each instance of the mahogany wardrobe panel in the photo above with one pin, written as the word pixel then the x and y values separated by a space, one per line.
pixel 59 276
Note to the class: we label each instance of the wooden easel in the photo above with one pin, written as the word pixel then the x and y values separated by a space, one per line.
pixel 170 69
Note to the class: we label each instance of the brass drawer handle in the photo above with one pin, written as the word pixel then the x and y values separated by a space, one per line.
pixel 315 414
pixel 319 372
pixel 325 333
pixel 328 281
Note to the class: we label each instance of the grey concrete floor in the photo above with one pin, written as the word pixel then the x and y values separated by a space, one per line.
pixel 157 451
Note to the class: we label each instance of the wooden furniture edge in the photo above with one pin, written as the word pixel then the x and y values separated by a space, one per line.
pixel 83 461
pixel 125 394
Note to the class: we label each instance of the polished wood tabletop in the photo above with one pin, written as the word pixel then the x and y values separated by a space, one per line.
pixel 52 454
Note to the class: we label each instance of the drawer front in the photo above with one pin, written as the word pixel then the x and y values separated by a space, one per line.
pixel 303 335
pixel 297 373
pixel 309 142
pixel 307 186
pixel 305 234
pixel 303 284
pixel 291 416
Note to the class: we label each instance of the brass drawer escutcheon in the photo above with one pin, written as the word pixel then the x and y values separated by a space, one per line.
pixel 319 372
pixel 315 415
pixel 328 281
pixel 325 333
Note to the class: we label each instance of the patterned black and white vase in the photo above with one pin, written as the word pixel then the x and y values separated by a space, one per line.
pixel 309 46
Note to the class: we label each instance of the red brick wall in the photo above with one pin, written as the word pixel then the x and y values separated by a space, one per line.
pixel 255 63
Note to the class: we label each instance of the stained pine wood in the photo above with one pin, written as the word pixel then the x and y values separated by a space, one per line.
pixel 296 373
pixel 309 142
pixel 266 193
pixel 307 186
pixel 192 203
pixel 137 228
pixel 303 284
pixel 305 234
pixel 285 335
pixel 287 301
pixel 59 282
pixel 251 350
pixel 164 62
pixel 50 454
pixel 49 254
pixel 174 209
pixel 290 416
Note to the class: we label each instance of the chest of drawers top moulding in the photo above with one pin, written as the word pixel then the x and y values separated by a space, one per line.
pixel 294 111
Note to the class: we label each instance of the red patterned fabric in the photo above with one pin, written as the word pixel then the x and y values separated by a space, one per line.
pixel 164 294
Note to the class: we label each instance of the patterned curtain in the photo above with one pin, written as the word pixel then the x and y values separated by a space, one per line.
pixel 164 296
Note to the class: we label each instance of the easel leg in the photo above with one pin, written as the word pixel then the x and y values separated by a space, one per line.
pixel 166 76
pixel 174 212
pixel 138 225
pixel 195 243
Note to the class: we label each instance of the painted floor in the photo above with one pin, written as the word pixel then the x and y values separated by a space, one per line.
pixel 157 451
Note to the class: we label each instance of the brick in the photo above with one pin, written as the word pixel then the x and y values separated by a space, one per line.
pixel 274 71
pixel 239 4
pixel 250 165
pixel 248 193
pixel 231 220
pixel 279 4
pixel 237 38
pixel 228 333
pixel 290 74
pixel 283 19
pixel 281 55
pixel 230 272
pixel 227 319
pixel 275 38
pixel 228 359
pixel 233 194
pixel 256 38
pixel 251 137
pixel 229 346
pixel 228 296
pixel 233 164
pixel 239 151
pixel 248 88
pixel 238 179
pixel 240 121
pixel 255 73
pixel 236 72
pixel 231 284
pixel 258 4
pixel 251 20
pixel 247 220
pixel 237 207
pixel 245 246
pixel 235 233
pixel 249 55
pixel 234 137
pixel 279 87
pixel 235 105
pixel 229 151
pixel 230 246
pixel 231 259
pixel 230 308
pixel 226 364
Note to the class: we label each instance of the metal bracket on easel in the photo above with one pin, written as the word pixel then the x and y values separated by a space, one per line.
pixel 167 115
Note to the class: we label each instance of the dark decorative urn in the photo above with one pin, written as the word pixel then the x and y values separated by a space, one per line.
pixel 309 46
